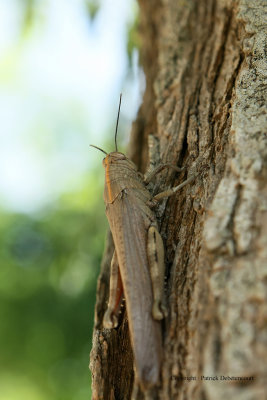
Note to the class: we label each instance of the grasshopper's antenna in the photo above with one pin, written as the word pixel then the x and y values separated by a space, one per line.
pixel 98 148
pixel 116 130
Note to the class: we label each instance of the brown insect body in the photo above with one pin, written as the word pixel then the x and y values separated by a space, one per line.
pixel 137 266
pixel 129 219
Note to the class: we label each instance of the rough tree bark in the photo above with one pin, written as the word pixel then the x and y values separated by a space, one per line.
pixel 204 104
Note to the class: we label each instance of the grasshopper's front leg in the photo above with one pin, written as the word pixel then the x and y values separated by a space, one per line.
pixel 115 295
pixel 166 193
pixel 155 253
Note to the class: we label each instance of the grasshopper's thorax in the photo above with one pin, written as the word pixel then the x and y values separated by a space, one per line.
pixel 120 173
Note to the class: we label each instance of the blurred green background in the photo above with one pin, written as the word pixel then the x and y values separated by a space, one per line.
pixel 63 64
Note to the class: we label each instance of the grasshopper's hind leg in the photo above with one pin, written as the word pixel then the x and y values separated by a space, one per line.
pixel 155 253
pixel 115 295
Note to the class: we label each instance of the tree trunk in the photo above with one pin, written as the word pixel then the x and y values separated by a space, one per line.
pixel 203 108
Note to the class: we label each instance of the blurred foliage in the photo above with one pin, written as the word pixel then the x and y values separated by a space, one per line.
pixel 29 9
pixel 133 36
pixel 49 267
pixel 92 7
pixel 49 263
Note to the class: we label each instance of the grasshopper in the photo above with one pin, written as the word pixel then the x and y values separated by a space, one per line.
pixel 137 266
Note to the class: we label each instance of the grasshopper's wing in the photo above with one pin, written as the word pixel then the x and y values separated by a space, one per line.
pixel 129 219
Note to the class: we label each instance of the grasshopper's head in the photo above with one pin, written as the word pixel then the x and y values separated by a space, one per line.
pixel 115 157
pixel 118 160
